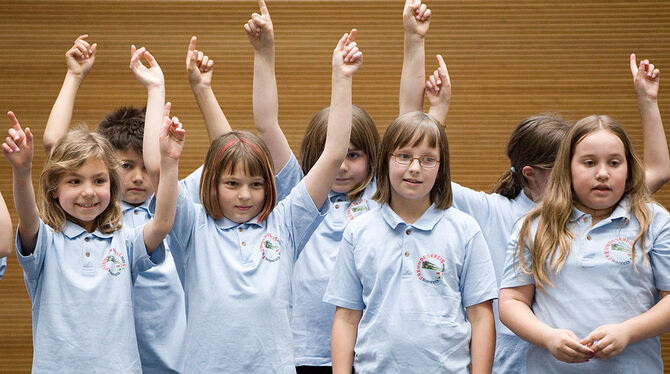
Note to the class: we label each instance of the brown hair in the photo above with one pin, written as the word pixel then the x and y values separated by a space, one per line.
pixel 224 154
pixel 534 142
pixel 364 136
pixel 553 239
pixel 70 153
pixel 411 129
pixel 124 128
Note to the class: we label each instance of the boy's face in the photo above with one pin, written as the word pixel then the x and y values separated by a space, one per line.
pixel 135 182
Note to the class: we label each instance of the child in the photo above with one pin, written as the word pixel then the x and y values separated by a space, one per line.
pixel 407 299
pixel 6 235
pixel 592 261
pixel 311 318
pixel 242 247
pixel 532 149
pixel 78 264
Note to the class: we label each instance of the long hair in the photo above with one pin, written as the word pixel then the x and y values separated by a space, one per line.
pixel 224 154
pixel 534 142
pixel 70 153
pixel 411 129
pixel 553 239
pixel 364 136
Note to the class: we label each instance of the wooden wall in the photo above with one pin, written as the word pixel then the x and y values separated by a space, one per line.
pixel 507 60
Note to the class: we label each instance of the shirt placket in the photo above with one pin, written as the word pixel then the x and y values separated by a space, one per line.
pixel 407 250
pixel 88 262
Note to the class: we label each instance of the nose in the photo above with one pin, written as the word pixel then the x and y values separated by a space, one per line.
pixel 414 165
pixel 344 167
pixel 88 190
pixel 602 173
pixel 244 193
pixel 137 176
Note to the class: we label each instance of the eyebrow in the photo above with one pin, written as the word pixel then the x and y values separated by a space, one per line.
pixel 73 174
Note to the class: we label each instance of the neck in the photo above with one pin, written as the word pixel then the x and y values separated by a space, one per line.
pixel 597 215
pixel 409 211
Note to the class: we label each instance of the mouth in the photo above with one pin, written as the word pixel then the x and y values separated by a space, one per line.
pixel 87 205
pixel 412 181
pixel 243 208
pixel 602 188
pixel 135 189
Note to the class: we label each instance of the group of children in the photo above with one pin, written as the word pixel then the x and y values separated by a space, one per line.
pixel 363 255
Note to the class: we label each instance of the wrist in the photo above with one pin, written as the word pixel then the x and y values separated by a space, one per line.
pixel 414 37
pixel 155 88
pixel 76 78
pixel 200 88
pixel 647 100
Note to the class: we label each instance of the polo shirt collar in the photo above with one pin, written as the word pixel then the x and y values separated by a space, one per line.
pixel 622 212
pixel 426 222
pixel 72 231
pixel 145 205
pixel 226 224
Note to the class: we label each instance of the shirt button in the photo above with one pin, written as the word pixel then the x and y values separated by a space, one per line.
pixel 406 254
pixel 86 239
pixel 136 212
pixel 407 232
pixel 337 206
pixel 588 237
pixel 88 254
pixel 244 243
pixel 239 229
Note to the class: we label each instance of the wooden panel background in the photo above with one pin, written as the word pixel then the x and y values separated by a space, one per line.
pixel 507 60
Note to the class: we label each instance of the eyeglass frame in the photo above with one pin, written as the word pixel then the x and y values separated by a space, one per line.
pixel 421 163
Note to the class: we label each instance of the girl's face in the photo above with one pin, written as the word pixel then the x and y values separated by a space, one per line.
pixel 353 171
pixel 84 193
pixel 599 170
pixel 411 184
pixel 241 196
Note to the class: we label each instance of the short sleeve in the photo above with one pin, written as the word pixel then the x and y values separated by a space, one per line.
pixel 182 230
pixel 659 253
pixel 32 264
pixel 288 177
pixel 191 185
pixel 141 260
pixel 474 203
pixel 512 275
pixel 344 286
pixel 477 281
pixel 3 266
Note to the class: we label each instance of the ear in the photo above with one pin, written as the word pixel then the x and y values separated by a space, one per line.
pixel 528 172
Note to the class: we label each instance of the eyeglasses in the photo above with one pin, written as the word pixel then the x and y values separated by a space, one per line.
pixel 404 159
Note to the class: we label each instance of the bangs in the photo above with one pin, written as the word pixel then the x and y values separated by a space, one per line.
pixel 414 134
pixel 243 156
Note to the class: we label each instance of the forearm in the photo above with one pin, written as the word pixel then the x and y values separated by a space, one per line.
pixel 26 208
pixel 656 157
pixel 482 345
pixel 519 318
pixel 61 112
pixel 6 230
pixel 413 77
pixel 339 121
pixel 266 108
pixel 343 341
pixel 651 323
pixel 166 204
pixel 215 120
pixel 152 124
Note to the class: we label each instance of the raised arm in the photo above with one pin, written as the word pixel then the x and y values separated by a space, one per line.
pixel 346 61
pixel 6 230
pixel 438 92
pixel 171 142
pixel 18 149
pixel 79 60
pixel 656 158
pixel 200 69
pixel 266 113
pixel 416 20
pixel 152 79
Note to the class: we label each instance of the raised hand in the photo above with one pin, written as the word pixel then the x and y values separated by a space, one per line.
pixel 565 346
pixel 80 57
pixel 416 18
pixel 645 78
pixel 259 29
pixel 438 91
pixel 172 135
pixel 347 58
pixel 199 66
pixel 18 146
pixel 149 77
pixel 608 340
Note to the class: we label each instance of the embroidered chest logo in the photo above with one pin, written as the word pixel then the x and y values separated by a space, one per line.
pixel 270 250
pixel 114 262
pixel 430 268
pixel 357 208
pixel 619 250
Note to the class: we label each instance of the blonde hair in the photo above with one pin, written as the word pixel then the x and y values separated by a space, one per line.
pixel 553 239
pixel 364 136
pixel 70 153
pixel 224 154
pixel 411 129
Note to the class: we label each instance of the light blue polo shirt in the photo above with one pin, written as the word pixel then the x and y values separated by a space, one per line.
pixel 312 318
pixel 3 266
pixel 598 285
pixel 237 284
pixel 289 176
pixel 158 301
pixel 496 216
pixel 80 285
pixel 413 283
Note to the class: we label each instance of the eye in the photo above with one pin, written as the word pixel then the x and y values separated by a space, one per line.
pixel 73 181
pixel 100 181
pixel 353 155
pixel 428 160
pixel 126 165
pixel 231 183
pixel 403 156
pixel 615 163
pixel 589 162
pixel 257 185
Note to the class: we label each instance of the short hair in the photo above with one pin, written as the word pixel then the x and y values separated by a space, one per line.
pixel 411 129
pixel 124 128
pixel 364 136
pixel 224 154
pixel 70 153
